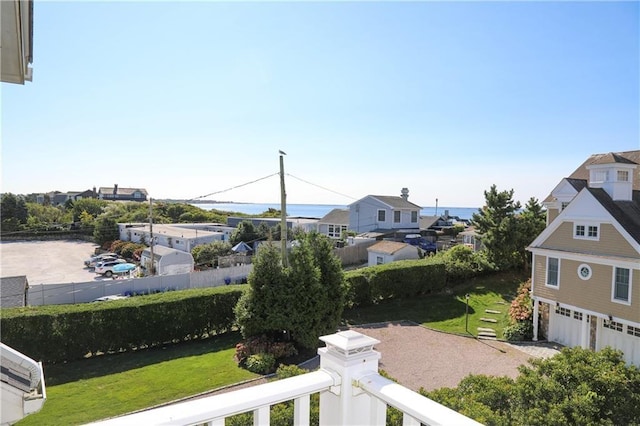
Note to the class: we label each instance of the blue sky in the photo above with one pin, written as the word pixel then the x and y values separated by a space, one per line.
pixel 187 99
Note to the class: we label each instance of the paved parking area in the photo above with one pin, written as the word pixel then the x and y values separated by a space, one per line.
pixel 47 262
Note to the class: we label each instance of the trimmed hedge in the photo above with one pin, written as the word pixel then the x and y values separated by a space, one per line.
pixel 55 333
pixel 406 278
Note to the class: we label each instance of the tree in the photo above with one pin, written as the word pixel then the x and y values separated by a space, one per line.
pixel 304 299
pixel 92 206
pixel 245 231
pixel 106 230
pixel 577 386
pixel 13 212
pixel 207 254
pixel 496 223
pixel 531 222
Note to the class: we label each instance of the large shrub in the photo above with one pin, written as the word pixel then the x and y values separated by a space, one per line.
pixel 56 333
pixel 462 263
pixel 305 299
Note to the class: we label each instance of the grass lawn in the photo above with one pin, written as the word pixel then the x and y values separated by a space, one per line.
pixel 88 390
pixel 106 386
pixel 447 312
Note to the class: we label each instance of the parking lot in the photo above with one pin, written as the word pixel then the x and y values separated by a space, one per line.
pixel 47 262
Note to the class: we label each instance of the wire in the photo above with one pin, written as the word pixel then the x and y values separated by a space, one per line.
pixel 234 187
pixel 320 186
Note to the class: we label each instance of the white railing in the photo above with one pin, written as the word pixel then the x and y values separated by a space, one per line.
pixel 351 393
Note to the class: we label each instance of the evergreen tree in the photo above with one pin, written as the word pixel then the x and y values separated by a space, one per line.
pixel 106 230
pixel 305 299
pixel 13 212
pixel 497 225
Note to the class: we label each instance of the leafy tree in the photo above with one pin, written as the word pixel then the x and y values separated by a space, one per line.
pixel 207 254
pixel 92 206
pixel 106 230
pixel 577 386
pixel 13 212
pixel 496 223
pixel 245 231
pixel 39 215
pixel 304 299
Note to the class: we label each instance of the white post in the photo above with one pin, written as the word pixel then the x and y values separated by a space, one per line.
pixel 584 331
pixel 349 354
pixel 536 314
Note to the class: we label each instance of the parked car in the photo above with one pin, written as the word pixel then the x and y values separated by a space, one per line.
pixel 106 268
pixel 422 242
pixel 112 297
pixel 91 262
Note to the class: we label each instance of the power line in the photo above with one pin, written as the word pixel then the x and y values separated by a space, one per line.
pixel 234 187
pixel 321 187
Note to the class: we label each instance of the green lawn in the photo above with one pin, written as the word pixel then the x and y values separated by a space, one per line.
pixel 447 312
pixel 88 390
pixel 106 386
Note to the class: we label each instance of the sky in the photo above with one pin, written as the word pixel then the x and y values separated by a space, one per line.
pixel 191 99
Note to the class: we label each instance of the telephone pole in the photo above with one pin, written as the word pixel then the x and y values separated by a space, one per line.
pixel 151 268
pixel 283 212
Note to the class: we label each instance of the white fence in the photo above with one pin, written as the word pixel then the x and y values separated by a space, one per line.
pixel 351 393
pixel 58 294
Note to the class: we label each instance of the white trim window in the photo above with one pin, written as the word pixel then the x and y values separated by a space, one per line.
pixel 586 231
pixel 382 215
pixel 397 214
pixel 553 272
pixel 621 289
pixel 335 231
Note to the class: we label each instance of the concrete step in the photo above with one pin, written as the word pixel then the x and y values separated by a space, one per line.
pixel 487 338
pixel 491 330
pixel 487 334
pixel 489 320
pixel 492 311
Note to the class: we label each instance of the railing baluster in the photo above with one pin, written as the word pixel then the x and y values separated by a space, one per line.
pixel 408 420
pixel 302 410
pixel 378 412
pixel 261 416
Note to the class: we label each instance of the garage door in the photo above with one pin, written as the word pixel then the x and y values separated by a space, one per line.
pixel 623 337
pixel 564 326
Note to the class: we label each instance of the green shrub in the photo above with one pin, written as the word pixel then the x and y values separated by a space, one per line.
pixel 521 330
pixel 261 363
pixel 55 333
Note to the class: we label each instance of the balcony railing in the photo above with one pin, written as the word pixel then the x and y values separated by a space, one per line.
pixel 351 393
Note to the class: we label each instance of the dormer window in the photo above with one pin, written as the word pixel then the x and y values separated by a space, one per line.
pixel 585 231
pixel 600 176
pixel 623 176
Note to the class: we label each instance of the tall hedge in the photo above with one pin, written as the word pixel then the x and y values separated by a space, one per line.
pixel 55 333
pixel 400 279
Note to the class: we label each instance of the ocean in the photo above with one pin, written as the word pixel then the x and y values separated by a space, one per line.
pixel 319 210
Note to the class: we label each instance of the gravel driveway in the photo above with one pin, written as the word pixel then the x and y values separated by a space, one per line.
pixel 420 357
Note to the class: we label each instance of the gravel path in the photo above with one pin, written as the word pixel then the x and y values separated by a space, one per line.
pixel 420 357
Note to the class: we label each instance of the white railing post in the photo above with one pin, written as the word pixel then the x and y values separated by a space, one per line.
pixel 349 354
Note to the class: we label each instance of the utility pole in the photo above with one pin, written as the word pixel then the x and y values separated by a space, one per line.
pixel 151 268
pixel 283 212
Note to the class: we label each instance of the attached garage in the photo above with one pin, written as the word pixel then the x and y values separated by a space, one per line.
pixel 620 336
pixel 565 326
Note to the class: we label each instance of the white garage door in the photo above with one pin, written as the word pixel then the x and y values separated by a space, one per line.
pixel 623 337
pixel 564 326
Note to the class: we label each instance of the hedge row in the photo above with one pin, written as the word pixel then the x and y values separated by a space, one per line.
pixel 401 279
pixel 57 333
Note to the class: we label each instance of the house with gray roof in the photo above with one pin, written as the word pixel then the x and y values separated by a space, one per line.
pixel 117 193
pixel 334 223
pixel 586 263
pixel 384 213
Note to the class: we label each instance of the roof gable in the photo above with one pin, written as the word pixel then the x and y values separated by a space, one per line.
pixel 594 204
pixel 391 201
pixel 336 216
pixel 387 247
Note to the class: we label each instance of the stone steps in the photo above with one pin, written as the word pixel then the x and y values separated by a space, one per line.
pixel 492 311
pixel 493 320
pixel 486 329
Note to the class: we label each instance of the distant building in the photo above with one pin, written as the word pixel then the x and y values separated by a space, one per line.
pixel 116 193
pixel 383 213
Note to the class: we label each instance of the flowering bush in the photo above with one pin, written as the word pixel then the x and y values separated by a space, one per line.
pixel 261 363
pixel 521 308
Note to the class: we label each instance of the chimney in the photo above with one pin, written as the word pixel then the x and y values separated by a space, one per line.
pixel 115 189
pixel 405 194
pixel 95 195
